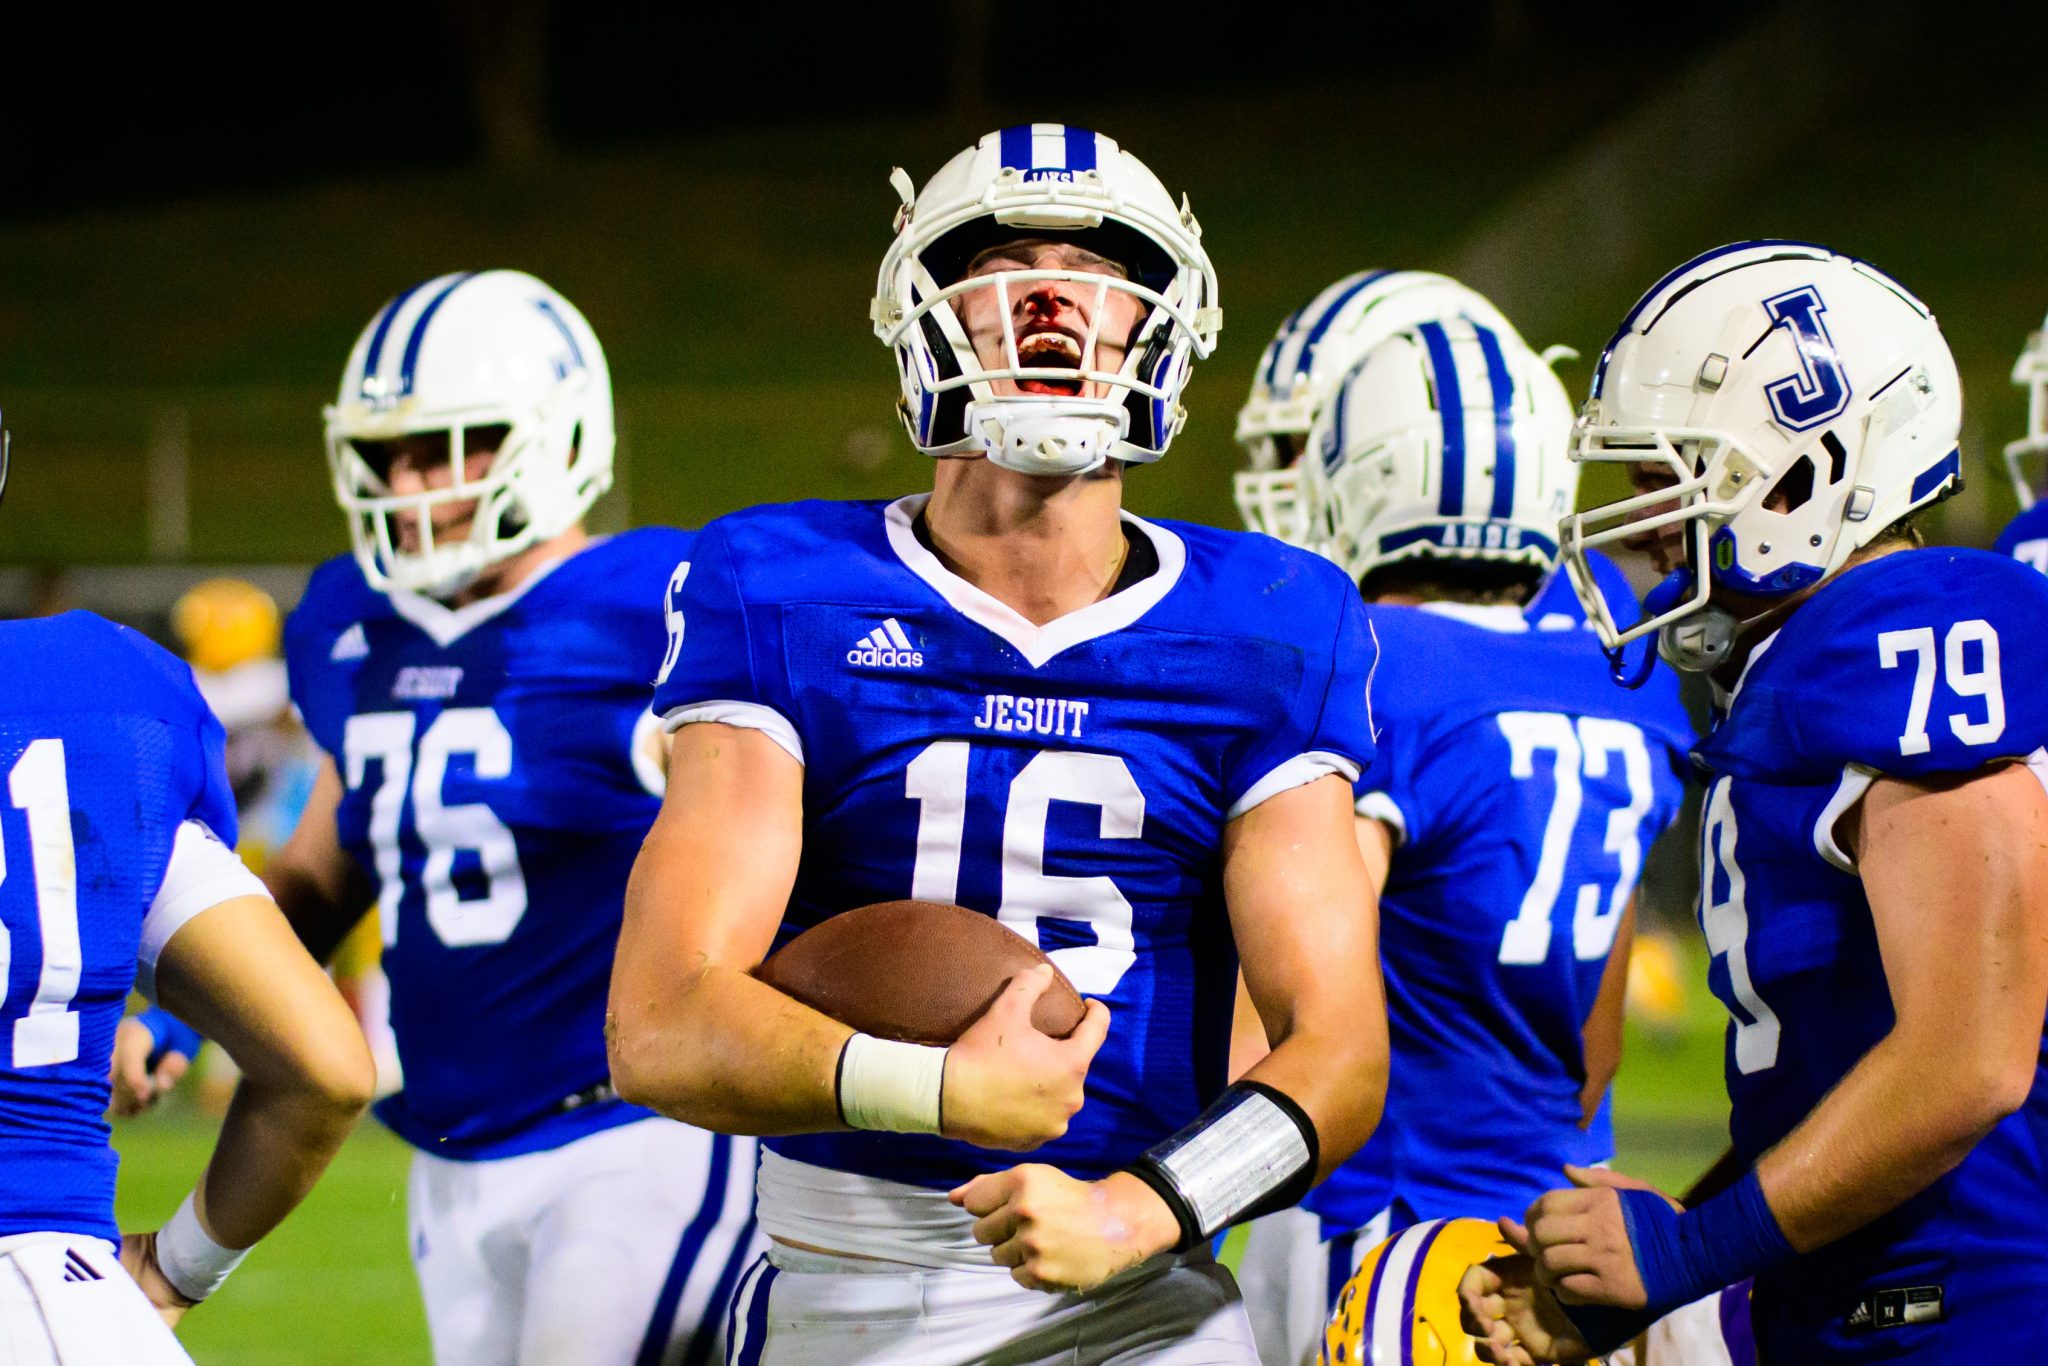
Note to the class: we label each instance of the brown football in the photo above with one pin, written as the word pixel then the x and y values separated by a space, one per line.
pixel 918 971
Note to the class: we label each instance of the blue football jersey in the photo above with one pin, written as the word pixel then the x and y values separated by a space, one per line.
pixel 2025 537
pixel 1555 605
pixel 1897 668
pixel 1525 788
pixel 493 797
pixel 107 749
pixel 1072 780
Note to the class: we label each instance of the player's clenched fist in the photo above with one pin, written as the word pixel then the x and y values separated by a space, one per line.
pixel 1007 1085
pixel 1056 1233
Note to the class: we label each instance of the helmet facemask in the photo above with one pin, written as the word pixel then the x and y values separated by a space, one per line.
pixel 1801 403
pixel 1048 433
pixel 531 491
pixel 1090 406
pixel 2026 459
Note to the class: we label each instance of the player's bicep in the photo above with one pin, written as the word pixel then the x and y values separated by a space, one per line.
pixel 1302 908
pixel 1956 873
pixel 237 974
pixel 713 879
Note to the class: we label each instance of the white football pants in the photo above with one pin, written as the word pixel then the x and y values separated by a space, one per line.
pixel 65 1301
pixel 620 1249
pixel 801 1309
pixel 1291 1278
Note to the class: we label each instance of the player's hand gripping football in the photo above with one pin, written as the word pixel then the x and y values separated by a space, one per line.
pixel 1056 1233
pixel 1007 1085
pixel 138 1259
pixel 136 1086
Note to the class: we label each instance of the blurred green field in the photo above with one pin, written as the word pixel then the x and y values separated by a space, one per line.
pixel 334 1286
pixel 729 275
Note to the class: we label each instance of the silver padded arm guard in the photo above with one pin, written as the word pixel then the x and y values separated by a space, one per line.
pixel 1252 1152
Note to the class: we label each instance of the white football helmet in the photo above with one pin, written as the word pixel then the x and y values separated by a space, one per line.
pixel 1447 440
pixel 1801 400
pixel 477 349
pixel 1044 180
pixel 2027 458
pixel 1314 349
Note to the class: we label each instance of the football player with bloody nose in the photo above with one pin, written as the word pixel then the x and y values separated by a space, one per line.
pixel 1874 882
pixel 1045 298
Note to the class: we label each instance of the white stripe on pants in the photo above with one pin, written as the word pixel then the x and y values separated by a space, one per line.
pixel 598 1253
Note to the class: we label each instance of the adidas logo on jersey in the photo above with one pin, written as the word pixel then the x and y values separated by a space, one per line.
pixel 886 647
pixel 350 644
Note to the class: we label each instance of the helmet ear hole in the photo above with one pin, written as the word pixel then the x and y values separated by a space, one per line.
pixel 1794 489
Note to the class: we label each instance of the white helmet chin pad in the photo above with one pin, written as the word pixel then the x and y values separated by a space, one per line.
pixel 1055 436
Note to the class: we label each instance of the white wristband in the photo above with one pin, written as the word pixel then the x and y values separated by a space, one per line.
pixel 891 1086
pixel 191 1261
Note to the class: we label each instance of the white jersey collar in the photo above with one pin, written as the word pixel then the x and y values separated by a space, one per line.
pixel 1037 644
pixel 445 625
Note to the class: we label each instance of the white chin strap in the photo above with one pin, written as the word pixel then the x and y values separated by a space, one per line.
pixel 1048 436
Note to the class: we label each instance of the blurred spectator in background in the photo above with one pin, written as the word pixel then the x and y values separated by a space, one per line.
pixel 230 631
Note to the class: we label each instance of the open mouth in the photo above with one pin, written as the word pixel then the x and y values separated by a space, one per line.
pixel 1050 351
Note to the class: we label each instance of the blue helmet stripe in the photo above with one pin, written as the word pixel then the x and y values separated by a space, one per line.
pixel 1503 385
pixel 1080 149
pixel 1450 406
pixel 1369 1314
pixel 1600 370
pixel 1415 1270
pixel 384 321
pixel 1928 480
pixel 549 311
pixel 1329 316
pixel 1279 345
pixel 419 331
pixel 1016 147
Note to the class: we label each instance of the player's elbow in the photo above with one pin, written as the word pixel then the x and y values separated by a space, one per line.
pixel 647 1071
pixel 1997 1087
pixel 329 1075
pixel 342 1076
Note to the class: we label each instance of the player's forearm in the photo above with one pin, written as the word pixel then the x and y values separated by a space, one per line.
pixel 1338 1076
pixel 1955 871
pixel 720 1050
pixel 1601 1038
pixel 273 1146
pixel 1902 1119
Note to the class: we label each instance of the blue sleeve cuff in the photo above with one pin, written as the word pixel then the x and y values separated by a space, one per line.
pixel 1686 1257
pixel 168 1034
